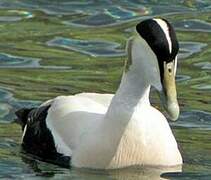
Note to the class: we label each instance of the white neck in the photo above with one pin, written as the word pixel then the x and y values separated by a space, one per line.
pixel 132 94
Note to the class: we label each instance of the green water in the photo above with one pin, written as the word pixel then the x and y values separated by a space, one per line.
pixel 50 48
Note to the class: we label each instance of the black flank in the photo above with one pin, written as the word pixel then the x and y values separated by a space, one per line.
pixel 38 139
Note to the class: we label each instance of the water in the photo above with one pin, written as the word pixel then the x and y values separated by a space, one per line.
pixel 49 48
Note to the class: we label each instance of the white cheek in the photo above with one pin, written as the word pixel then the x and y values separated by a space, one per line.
pixel 154 72
pixel 146 61
pixel 156 81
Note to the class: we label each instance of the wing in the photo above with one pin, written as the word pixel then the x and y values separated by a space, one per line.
pixel 71 116
pixel 54 128
pixel 103 99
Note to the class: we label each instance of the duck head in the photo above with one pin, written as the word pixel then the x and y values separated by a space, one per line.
pixel 154 51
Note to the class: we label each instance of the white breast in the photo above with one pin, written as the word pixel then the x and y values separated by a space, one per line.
pixel 147 141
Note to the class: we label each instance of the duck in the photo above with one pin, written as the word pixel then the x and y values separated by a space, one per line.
pixel 111 131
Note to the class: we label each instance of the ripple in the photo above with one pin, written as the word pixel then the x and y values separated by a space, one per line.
pixel 100 19
pixel 189 48
pixel 13 168
pixel 94 48
pixel 69 7
pixel 8 103
pixel 10 18
pixel 110 16
pixel 111 49
pixel 15 15
pixel 167 9
pixel 60 8
pixel 5 95
pixel 193 25
pixel 202 87
pixel 49 7
pixel 180 78
pixel 120 13
pixel 7 143
pixel 4 110
pixel 194 119
pixel 203 65
pixel 9 61
pixel 25 14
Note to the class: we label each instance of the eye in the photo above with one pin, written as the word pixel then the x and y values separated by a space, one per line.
pixel 169 67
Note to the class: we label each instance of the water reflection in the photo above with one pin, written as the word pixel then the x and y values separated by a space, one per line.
pixel 111 49
pixel 193 25
pixel 132 173
pixel 203 65
pixel 189 48
pixel 8 104
pixel 202 86
pixel 15 15
pixel 9 61
pixel 194 119
pixel 91 47
pixel 142 173
pixel 181 77
pixel 110 15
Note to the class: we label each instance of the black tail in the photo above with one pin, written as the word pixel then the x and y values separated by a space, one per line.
pixel 37 139
pixel 22 116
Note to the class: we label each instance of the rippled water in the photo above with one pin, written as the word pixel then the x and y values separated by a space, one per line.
pixel 54 47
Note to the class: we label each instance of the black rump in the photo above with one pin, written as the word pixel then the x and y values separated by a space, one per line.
pixel 37 138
